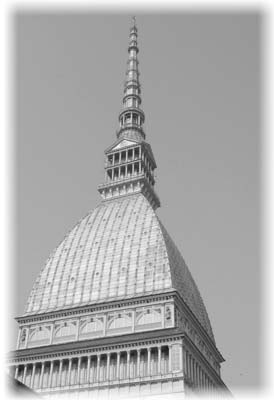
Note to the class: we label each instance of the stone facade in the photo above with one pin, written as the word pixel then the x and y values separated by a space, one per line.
pixel 143 346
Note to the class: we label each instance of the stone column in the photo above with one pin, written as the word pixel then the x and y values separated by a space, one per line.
pixel 25 373
pixel 194 371
pixel 16 372
pixel 169 359
pixel 190 367
pixel 108 364
pixel 59 381
pixel 78 371
pixel 50 374
pixel 204 380
pixel 32 375
pixel 148 361
pixel 118 365
pixel 69 371
pixel 159 360
pixel 42 375
pixel 88 369
pixel 138 362
pixel 128 364
pixel 98 368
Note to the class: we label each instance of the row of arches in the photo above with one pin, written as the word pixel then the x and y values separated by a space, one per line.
pixel 92 326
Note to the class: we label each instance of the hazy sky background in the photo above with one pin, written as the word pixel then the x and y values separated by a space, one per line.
pixel 200 76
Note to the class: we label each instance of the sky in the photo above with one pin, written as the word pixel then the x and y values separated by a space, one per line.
pixel 201 91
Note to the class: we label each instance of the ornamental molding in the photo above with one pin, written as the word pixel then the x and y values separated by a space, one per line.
pixel 111 305
pixel 115 146
pixel 92 349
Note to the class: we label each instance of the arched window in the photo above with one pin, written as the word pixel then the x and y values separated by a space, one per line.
pixel 120 321
pixel 91 327
pixel 39 336
pixel 64 332
pixel 148 317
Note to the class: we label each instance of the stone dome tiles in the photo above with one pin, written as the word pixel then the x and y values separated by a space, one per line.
pixel 119 250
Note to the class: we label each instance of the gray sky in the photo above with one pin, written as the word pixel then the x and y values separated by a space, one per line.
pixel 200 76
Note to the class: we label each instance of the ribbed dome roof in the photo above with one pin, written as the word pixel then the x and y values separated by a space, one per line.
pixel 118 250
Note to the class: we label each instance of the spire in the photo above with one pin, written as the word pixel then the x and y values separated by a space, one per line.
pixel 132 117
pixel 129 162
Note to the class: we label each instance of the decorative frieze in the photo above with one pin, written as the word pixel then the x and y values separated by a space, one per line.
pixel 149 317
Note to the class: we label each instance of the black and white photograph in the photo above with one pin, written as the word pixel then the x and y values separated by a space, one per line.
pixel 137 268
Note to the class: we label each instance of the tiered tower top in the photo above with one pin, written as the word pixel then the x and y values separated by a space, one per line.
pixel 132 117
pixel 130 164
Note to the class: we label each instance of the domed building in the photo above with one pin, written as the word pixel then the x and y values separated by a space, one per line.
pixel 115 310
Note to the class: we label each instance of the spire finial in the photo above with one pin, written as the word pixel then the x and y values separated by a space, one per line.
pixel 131 117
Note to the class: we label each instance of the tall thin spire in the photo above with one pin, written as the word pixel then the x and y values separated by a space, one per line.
pixel 132 117
pixel 129 163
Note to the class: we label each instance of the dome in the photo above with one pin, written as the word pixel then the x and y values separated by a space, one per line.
pixel 119 250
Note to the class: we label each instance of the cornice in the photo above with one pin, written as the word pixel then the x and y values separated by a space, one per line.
pixel 114 343
pixel 115 304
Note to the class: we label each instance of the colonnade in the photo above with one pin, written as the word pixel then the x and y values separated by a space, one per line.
pixel 124 156
pixel 95 368
pixel 128 170
pixel 130 119
pixel 195 373
pixel 118 171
